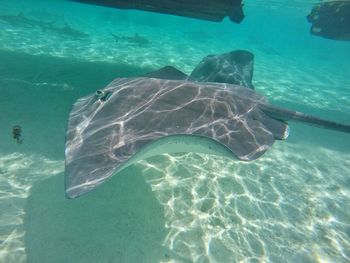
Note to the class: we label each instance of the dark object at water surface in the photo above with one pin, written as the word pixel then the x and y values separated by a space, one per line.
pixel 331 20
pixel 17 134
pixel 213 10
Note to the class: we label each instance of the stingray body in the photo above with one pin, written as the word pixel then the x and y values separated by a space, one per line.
pixel 235 67
pixel 133 118
pixel 103 134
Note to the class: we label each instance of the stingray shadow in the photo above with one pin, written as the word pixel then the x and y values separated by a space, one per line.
pixel 119 222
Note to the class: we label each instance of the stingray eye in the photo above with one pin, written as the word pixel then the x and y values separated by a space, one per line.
pixel 102 95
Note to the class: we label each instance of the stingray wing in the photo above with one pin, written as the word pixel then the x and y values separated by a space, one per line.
pixel 235 67
pixel 107 129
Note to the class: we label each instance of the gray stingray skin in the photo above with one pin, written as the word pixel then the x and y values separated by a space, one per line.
pixel 235 67
pixel 105 131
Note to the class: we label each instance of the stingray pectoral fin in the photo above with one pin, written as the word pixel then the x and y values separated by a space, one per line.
pixel 85 173
pixel 278 128
pixel 248 139
pixel 106 134
pixel 167 72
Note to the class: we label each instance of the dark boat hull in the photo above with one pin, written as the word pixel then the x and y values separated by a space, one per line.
pixel 213 10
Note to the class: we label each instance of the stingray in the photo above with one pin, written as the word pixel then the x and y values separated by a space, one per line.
pixel 135 118
pixel 235 67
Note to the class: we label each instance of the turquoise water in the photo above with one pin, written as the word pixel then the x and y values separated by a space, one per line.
pixel 291 205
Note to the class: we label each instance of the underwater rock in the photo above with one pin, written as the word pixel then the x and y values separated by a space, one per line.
pixel 331 20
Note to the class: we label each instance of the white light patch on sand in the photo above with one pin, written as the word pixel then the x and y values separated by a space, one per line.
pixel 317 88
pixel 289 206
pixel 18 173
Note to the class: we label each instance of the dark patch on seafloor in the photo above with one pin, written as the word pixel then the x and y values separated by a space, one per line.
pixel 85 75
pixel 38 91
pixel 119 222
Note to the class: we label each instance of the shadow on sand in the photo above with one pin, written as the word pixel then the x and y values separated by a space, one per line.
pixel 37 93
pixel 119 222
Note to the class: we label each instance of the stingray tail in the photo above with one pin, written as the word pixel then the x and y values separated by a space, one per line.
pixel 289 115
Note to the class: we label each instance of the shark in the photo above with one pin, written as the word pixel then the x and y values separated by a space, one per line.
pixel 135 39
pixel 66 30
pixel 20 20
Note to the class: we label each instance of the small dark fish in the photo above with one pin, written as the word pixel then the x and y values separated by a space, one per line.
pixel 17 134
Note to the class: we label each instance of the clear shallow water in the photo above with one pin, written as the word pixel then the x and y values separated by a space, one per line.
pixel 291 205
